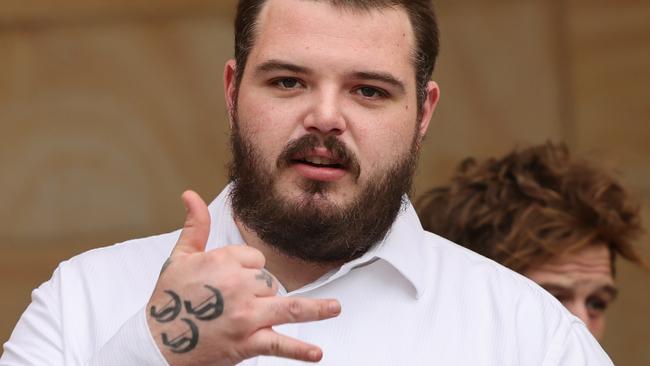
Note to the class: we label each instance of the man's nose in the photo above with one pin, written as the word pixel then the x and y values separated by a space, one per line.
pixel 326 115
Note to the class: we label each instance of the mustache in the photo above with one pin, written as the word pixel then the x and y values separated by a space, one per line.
pixel 303 145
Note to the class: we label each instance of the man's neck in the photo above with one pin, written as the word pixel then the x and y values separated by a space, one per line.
pixel 291 272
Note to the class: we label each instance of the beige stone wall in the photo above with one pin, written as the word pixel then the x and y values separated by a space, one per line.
pixel 109 110
pixel 610 73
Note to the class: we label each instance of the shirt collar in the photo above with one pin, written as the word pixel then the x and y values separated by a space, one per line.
pixel 402 246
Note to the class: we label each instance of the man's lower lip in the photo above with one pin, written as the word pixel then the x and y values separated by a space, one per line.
pixel 325 174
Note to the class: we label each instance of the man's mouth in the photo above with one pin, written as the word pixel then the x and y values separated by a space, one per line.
pixel 319 165
pixel 325 161
pixel 320 162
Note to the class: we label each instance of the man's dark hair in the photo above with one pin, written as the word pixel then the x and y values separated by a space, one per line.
pixel 533 205
pixel 420 13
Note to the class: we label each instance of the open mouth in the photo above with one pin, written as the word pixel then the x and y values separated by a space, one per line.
pixel 320 162
pixel 317 160
pixel 320 165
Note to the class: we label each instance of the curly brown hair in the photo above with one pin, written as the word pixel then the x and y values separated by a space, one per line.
pixel 532 205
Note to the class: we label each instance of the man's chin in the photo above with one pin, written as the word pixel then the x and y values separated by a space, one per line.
pixel 317 194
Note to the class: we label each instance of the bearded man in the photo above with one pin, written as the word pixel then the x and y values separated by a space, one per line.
pixel 313 252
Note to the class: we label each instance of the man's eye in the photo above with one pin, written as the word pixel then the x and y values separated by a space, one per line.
pixel 596 305
pixel 370 92
pixel 287 83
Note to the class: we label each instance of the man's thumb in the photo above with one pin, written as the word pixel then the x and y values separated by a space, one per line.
pixel 196 229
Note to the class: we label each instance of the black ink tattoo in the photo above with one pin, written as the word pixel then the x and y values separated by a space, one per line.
pixel 165 265
pixel 183 343
pixel 265 276
pixel 168 312
pixel 210 308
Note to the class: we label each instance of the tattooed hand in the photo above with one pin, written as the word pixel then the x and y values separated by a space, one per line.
pixel 218 307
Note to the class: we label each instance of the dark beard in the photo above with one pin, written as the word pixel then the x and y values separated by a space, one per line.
pixel 314 229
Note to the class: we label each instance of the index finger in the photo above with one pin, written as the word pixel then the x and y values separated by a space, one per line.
pixel 281 310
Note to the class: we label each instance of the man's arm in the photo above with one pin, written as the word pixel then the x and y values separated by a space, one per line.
pixel 36 339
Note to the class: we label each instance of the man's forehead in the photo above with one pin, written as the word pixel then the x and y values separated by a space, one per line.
pixel 334 40
pixel 298 19
pixel 590 264
pixel 355 8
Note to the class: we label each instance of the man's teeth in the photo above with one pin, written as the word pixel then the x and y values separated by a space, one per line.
pixel 317 160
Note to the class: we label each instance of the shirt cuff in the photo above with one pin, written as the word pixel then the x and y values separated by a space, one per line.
pixel 131 345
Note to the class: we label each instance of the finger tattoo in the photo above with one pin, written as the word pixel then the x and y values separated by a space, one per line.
pixel 265 276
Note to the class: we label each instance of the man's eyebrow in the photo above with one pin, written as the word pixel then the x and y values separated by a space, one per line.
pixel 380 76
pixel 611 290
pixel 278 65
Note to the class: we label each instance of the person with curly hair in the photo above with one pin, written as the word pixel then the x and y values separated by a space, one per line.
pixel 558 220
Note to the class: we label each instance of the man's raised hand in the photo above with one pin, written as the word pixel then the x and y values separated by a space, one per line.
pixel 217 307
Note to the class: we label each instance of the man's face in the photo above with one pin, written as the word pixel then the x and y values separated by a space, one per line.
pixel 326 109
pixel 320 70
pixel 582 281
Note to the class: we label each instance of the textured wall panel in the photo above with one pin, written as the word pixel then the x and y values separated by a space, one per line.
pixel 14 12
pixel 499 83
pixel 103 128
pixel 109 125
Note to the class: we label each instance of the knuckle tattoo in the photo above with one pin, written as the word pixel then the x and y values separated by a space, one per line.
pixel 265 276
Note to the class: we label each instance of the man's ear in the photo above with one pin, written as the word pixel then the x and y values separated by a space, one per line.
pixel 428 107
pixel 229 89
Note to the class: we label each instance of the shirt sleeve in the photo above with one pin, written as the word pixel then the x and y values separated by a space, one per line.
pixel 36 339
pixel 131 345
pixel 39 337
pixel 576 347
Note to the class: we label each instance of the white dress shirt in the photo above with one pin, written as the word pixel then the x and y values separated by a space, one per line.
pixel 414 299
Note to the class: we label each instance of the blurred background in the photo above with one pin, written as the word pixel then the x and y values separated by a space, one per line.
pixel 110 109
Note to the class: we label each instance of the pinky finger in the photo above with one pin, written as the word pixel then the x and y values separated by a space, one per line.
pixel 267 342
